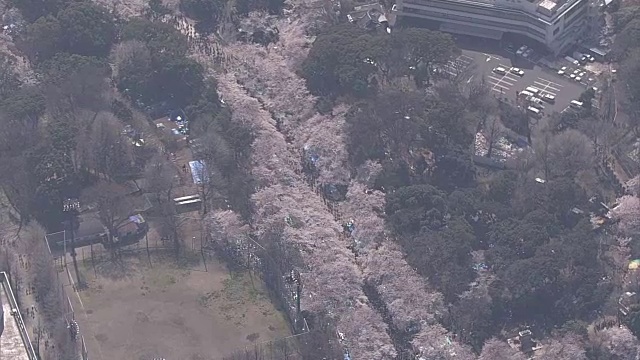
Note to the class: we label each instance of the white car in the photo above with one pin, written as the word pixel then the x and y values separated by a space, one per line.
pixel 582 74
pixel 562 71
pixel 573 76
pixel 350 18
pixel 500 70
pixel 522 49
pixel 548 98
pixel 517 71
pixel 578 79
pixel 576 72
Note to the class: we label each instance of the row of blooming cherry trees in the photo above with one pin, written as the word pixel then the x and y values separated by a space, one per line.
pixel 336 270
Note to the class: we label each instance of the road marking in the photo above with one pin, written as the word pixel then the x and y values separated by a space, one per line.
pixel 499 90
pixel 550 82
pixel 546 86
pixel 512 77
pixel 500 86
pixel 494 78
pixel 470 79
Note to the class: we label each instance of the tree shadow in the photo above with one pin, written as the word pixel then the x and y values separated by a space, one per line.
pixel 116 269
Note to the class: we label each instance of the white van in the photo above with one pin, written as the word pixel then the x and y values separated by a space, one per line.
pixel 576 104
pixel 532 90
pixel 525 94
pixel 533 111
pixel 500 70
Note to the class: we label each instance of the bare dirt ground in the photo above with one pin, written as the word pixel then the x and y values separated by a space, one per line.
pixel 183 313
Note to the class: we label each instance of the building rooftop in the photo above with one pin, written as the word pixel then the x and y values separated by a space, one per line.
pixel 14 341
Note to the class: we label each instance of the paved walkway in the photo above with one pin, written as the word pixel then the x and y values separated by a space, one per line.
pixel 93 347
pixel 30 312
pixel 11 345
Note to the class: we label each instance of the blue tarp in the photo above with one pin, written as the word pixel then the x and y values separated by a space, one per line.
pixel 198 171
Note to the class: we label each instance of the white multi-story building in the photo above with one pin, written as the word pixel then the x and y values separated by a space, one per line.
pixel 555 23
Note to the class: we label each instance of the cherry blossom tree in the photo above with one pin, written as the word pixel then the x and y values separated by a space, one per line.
pixel 496 349
pixel 331 277
pixel 617 341
pixel 565 348
pixel 262 87
pixel 627 213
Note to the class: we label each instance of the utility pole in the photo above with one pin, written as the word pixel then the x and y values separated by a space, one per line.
pixel 70 207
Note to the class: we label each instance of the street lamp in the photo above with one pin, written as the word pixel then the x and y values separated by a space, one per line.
pixel 70 206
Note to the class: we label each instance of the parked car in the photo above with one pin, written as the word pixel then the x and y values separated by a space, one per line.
pixel 522 49
pixel 578 79
pixel 562 71
pixel 549 98
pixel 536 102
pixel 517 71
pixel 576 104
pixel 527 53
pixel 500 70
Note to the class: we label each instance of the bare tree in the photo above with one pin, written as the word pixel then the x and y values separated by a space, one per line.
pixel 564 154
pixel 212 170
pixel 112 206
pixel 570 152
pixel 84 88
pixel 170 224
pixel 494 130
pixel 109 150
pixel 160 176
pixel 542 145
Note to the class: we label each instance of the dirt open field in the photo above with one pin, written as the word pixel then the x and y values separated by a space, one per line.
pixel 176 313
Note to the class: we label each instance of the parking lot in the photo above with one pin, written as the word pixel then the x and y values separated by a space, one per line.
pixel 506 85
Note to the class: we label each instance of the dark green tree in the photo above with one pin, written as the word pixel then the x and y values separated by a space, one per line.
pixel 163 40
pixel 87 29
pixel 335 63
pixel 416 208
pixel 32 10
pixel 156 9
pixel 9 81
pixel 207 13
pixel 444 257
pixel 42 39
